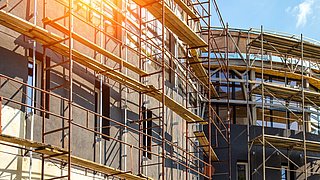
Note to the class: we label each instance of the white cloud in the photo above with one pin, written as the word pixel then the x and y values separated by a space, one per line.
pixel 288 9
pixel 304 10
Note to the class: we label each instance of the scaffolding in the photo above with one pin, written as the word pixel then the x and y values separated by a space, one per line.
pixel 293 60
pixel 151 25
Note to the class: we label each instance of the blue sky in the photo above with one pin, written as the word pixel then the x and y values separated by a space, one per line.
pixel 288 16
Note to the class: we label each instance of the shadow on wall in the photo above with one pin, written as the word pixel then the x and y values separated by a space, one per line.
pixel 112 151
pixel 13 64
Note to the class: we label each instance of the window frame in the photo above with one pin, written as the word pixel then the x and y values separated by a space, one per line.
pixel 29 90
pixel 246 169
pixel 105 110
pixel 147 129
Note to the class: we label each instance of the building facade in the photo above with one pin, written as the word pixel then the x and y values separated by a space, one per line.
pixel 271 89
pixel 100 89
pixel 104 89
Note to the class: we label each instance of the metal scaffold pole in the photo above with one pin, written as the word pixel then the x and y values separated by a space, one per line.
pixel 249 123
pixel 304 125
pixel 33 96
pixel 186 128
pixel 76 41
pixel 228 102
pixel 44 85
pixel 210 118
pixel 163 118
pixel 263 106
pixel 70 85
pixel 141 64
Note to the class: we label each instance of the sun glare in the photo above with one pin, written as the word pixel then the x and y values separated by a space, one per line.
pixel 86 1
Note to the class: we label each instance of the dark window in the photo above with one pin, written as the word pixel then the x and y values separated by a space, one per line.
pixel 105 109
pixel 47 87
pixel 147 129
pixel 171 46
pixel 242 171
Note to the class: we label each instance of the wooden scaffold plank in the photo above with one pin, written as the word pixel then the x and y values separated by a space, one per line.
pixel 204 143
pixel 95 47
pixel 201 72
pixel 287 46
pixel 187 9
pixel 288 93
pixel 276 72
pixel 47 38
pixel 50 150
pixel 174 23
pixel 288 142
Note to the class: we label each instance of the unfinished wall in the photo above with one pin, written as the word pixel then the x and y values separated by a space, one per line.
pixel 16 50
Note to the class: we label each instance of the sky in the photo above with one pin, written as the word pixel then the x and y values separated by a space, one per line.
pixel 287 16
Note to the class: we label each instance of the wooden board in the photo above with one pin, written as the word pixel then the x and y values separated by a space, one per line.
pixel 95 47
pixel 201 72
pixel 204 143
pixel 187 9
pixel 288 93
pixel 48 149
pixel 287 46
pixel 120 12
pixel 47 38
pixel 288 143
pixel 281 119
pixel 176 25
pixel 276 72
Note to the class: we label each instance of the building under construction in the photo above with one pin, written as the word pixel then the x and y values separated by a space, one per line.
pixel 131 89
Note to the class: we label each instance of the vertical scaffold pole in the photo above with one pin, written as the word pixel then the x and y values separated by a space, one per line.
pixel 33 96
pixel 163 90
pixel 44 76
pixel 263 125
pixel 304 125
pixel 0 114
pixel 70 85
pixel 140 161
pixel 209 94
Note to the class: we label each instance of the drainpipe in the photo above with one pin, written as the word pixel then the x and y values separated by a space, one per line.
pixel 33 85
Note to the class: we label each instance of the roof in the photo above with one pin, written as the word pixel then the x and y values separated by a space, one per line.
pixel 283 45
